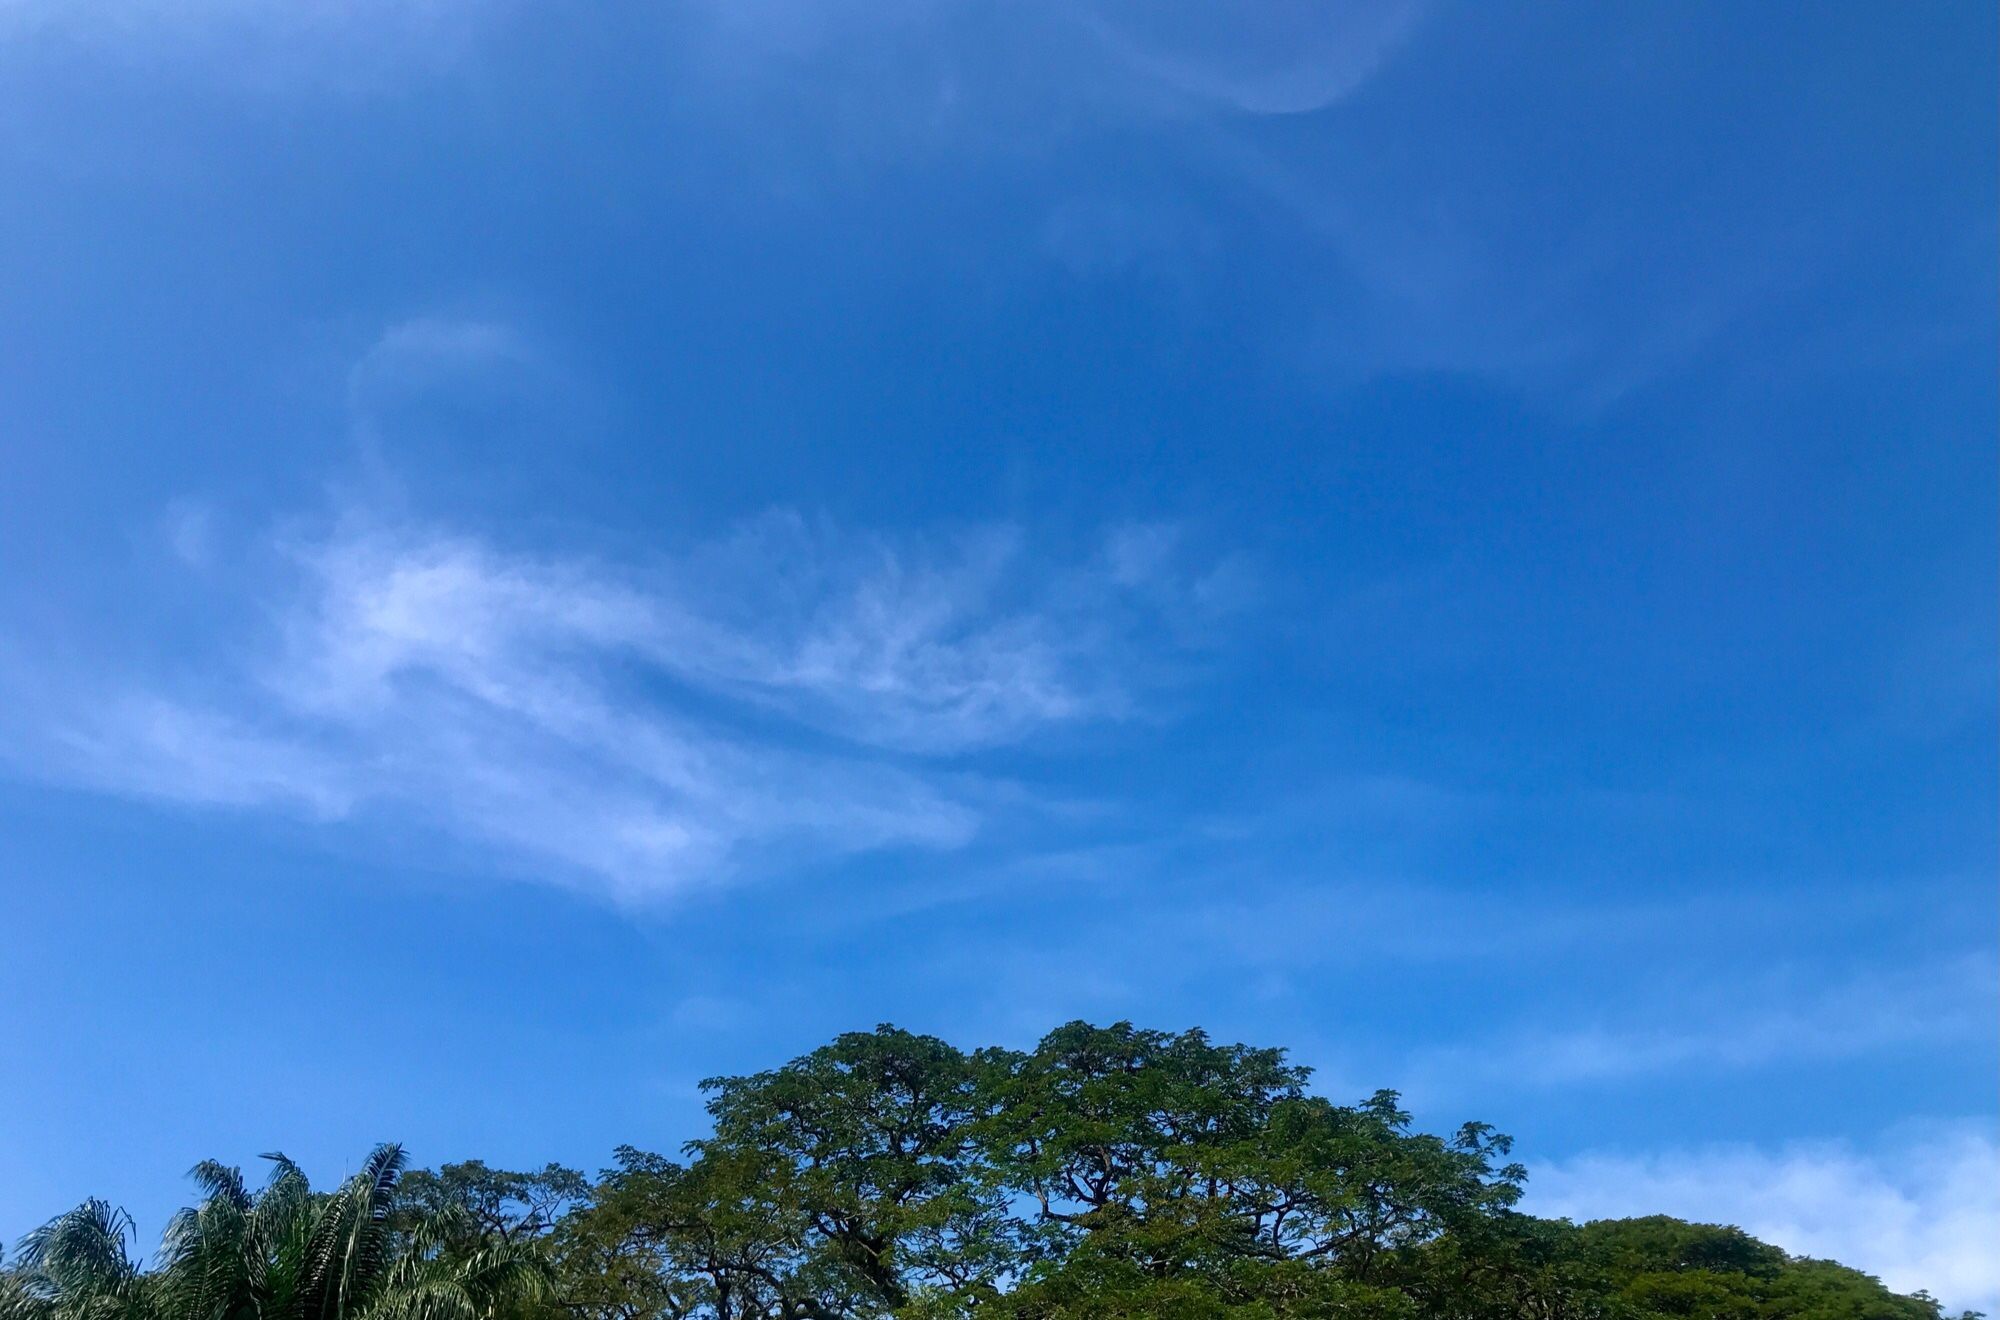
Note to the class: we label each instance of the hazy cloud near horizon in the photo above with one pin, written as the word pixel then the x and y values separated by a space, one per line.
pixel 1920 1213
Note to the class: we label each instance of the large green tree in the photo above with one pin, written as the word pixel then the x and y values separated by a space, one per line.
pixel 1108 1173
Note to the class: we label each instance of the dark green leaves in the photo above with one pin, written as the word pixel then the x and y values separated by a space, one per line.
pixel 1109 1172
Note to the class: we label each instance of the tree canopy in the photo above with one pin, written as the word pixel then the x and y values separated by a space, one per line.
pixel 1109 1172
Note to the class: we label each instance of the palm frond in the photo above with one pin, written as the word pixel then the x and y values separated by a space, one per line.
pixel 87 1246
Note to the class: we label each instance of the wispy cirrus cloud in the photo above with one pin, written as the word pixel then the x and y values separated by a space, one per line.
pixel 821 92
pixel 417 351
pixel 900 72
pixel 1283 58
pixel 791 690
pixel 1924 1212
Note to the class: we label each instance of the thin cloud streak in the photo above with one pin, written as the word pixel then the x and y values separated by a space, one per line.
pixel 1943 1004
pixel 1278 59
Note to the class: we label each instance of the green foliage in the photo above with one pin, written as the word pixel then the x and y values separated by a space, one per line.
pixel 78 1266
pixel 1108 1173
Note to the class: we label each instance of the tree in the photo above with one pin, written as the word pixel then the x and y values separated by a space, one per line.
pixel 709 1239
pixel 282 1253
pixel 865 1152
pixel 1109 1173
pixel 78 1266
pixel 486 1205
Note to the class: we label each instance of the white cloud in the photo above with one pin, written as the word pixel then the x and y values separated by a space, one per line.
pixel 1922 1213
pixel 426 346
pixel 641 731
pixel 159 748
pixel 931 645
pixel 890 72
pixel 189 529
pixel 895 80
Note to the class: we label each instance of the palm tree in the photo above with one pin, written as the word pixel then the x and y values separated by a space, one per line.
pixel 288 1253
pixel 78 1266
pixel 283 1253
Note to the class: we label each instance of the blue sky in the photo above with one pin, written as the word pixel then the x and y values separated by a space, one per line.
pixel 551 554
